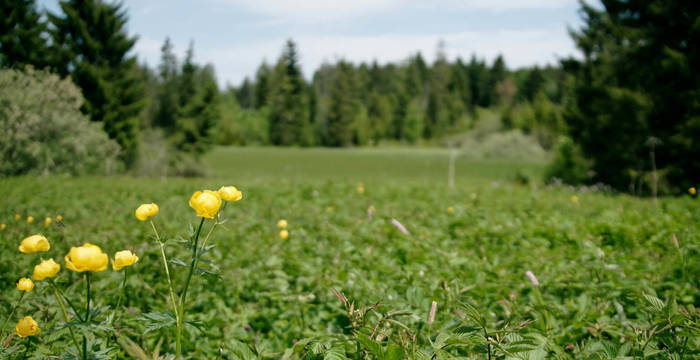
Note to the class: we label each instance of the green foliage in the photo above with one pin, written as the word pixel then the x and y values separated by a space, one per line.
pixel 90 43
pixel 43 130
pixel 611 281
pixel 21 29
pixel 636 81
pixel 568 164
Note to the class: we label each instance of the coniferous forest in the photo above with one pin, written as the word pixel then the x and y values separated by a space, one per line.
pixel 636 81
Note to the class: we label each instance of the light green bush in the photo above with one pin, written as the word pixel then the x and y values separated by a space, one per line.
pixel 42 130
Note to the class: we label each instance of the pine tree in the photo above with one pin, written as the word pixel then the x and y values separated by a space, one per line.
pixel 21 30
pixel 262 88
pixel 167 93
pixel 92 46
pixel 289 105
pixel 342 108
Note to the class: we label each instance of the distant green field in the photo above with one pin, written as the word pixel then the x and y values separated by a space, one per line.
pixel 612 284
pixel 365 164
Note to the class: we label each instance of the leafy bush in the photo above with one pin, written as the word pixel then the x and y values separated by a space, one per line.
pixel 42 130
pixel 568 164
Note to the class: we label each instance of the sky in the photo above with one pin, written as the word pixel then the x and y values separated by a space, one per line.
pixel 236 35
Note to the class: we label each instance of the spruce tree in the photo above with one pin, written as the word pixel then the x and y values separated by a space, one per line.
pixel 90 43
pixel 21 35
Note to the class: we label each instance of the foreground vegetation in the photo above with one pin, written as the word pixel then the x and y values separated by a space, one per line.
pixel 612 276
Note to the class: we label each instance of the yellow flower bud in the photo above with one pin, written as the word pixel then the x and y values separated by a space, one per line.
pixel 123 259
pixel 146 211
pixel 47 221
pixel 59 218
pixel 34 243
pixel 230 193
pixel 86 258
pixel 17 217
pixel 692 191
pixel 282 224
pixel 284 234
pixel 30 219
pixel 360 188
pixel 46 269
pixel 25 284
pixel 27 327
pixel 574 199
pixel 206 203
pixel 2 227
pixel 450 210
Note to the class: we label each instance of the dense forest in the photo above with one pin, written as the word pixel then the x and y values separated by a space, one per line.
pixel 637 83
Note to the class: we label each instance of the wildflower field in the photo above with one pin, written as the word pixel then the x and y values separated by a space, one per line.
pixel 376 258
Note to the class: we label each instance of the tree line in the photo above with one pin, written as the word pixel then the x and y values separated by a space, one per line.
pixel 629 104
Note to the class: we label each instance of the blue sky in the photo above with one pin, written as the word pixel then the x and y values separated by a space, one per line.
pixel 236 35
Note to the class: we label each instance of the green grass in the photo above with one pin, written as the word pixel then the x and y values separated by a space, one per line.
pixel 609 272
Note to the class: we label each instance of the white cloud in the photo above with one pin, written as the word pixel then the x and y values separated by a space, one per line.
pixel 314 10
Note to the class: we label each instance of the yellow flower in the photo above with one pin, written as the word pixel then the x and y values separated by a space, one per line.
pixel 46 269
pixel 47 221
pixel 692 191
pixel 59 218
pixel 284 234
pixel 360 188
pixel 27 327
pixel 2 227
pixel 17 217
pixel 574 199
pixel 25 284
pixel 282 224
pixel 86 258
pixel 123 259
pixel 30 219
pixel 230 193
pixel 206 203
pixel 34 243
pixel 371 208
pixel 450 210
pixel 146 211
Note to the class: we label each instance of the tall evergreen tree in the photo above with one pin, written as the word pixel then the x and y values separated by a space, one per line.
pixel 262 89
pixel 92 46
pixel 289 105
pixel 342 108
pixel 167 93
pixel 638 80
pixel 21 35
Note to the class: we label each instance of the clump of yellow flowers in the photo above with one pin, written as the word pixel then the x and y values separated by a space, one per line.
pixel 207 204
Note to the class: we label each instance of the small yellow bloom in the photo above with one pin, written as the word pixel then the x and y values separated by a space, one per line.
pixel 25 284
pixel 692 191
pixel 86 258
pixel 371 208
pixel 574 199
pixel 206 203
pixel 450 210
pixel 360 188
pixel 330 209
pixel 17 217
pixel 27 327
pixel 46 269
pixel 2 227
pixel 59 218
pixel 123 259
pixel 34 243
pixel 47 221
pixel 282 224
pixel 146 211
pixel 284 234
pixel 230 193
pixel 30 219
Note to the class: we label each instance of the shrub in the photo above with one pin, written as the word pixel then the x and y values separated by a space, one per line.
pixel 43 131
pixel 568 164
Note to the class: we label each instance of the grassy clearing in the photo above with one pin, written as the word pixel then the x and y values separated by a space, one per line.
pixel 607 267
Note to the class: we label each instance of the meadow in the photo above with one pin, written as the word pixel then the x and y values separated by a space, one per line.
pixel 611 276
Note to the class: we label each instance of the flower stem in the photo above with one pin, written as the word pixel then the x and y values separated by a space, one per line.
pixel 121 295
pixel 2 330
pixel 87 312
pixel 26 350
pixel 183 296
pixel 65 314
pixel 170 287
